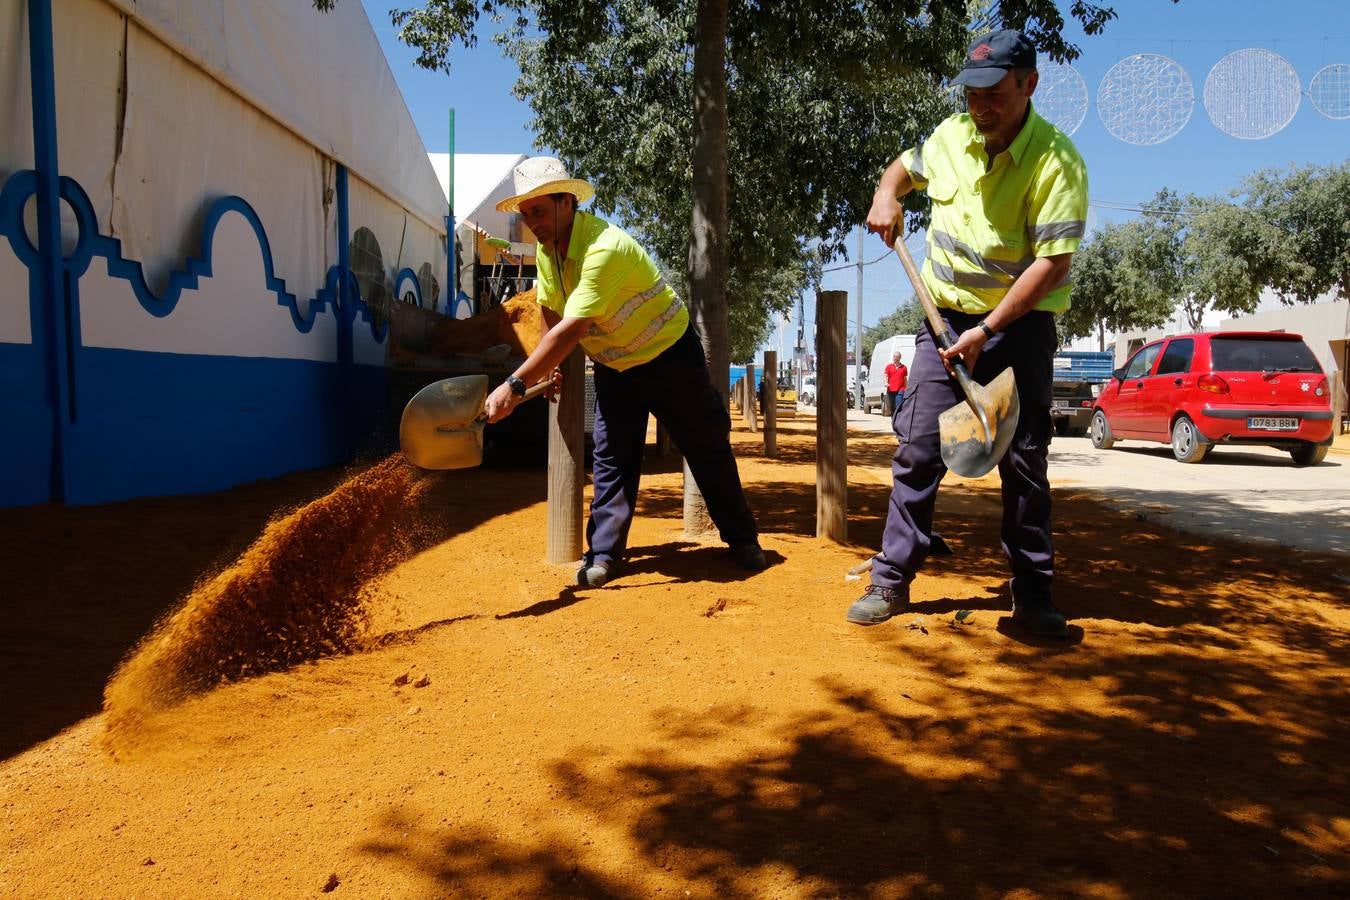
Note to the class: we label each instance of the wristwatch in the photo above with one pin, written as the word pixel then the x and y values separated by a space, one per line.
pixel 517 386
pixel 988 332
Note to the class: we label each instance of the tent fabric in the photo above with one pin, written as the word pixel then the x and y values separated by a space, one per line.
pixel 404 240
pixel 161 192
pixel 322 75
pixel 481 179
pixel 16 101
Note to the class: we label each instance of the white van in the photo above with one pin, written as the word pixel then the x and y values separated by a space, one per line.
pixel 875 393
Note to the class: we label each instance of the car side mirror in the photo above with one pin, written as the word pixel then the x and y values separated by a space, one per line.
pixel 1119 374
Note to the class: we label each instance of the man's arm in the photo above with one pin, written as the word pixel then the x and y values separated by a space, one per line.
pixel 558 341
pixel 886 211
pixel 1041 277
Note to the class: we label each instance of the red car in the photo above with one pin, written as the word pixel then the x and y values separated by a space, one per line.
pixel 1228 387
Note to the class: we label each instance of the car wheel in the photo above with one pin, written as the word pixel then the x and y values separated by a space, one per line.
pixel 1308 454
pixel 1187 445
pixel 1101 431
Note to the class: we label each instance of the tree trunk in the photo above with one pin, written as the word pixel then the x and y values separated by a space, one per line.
pixel 708 223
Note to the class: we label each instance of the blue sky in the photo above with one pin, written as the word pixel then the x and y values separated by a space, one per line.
pixel 1200 159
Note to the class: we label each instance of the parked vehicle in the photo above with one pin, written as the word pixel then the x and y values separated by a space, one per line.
pixel 807 395
pixel 874 397
pixel 1229 387
pixel 1078 378
pixel 851 385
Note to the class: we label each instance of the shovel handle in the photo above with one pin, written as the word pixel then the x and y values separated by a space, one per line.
pixel 945 338
pixel 943 334
pixel 530 394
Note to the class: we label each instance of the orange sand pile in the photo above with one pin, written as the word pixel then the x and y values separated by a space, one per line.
pixel 297 594
pixel 518 323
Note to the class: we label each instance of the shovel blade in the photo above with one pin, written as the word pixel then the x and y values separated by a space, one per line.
pixel 440 428
pixel 966 449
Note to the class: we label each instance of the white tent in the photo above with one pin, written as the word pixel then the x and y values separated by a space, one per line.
pixel 213 151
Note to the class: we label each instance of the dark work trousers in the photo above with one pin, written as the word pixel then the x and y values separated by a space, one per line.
pixel 677 389
pixel 1028 346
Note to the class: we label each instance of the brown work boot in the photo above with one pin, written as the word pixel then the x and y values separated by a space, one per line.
pixel 593 573
pixel 878 604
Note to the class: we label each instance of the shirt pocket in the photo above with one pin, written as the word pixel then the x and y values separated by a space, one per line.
pixel 1007 220
pixel 941 190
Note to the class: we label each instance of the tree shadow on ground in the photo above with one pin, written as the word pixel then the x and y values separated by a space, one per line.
pixel 1181 773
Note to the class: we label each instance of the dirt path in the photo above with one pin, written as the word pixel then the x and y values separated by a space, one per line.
pixel 685 731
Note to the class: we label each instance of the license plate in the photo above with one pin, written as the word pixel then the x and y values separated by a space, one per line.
pixel 1063 404
pixel 1272 423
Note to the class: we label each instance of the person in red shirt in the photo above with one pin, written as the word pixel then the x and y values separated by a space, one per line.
pixel 897 376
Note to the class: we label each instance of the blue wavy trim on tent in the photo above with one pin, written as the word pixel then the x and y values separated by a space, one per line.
pixel 90 243
pixel 407 274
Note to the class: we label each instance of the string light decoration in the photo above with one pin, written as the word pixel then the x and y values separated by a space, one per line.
pixel 1252 94
pixel 1330 91
pixel 1145 99
pixel 1061 95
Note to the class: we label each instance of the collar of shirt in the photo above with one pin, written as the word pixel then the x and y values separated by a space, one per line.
pixel 577 242
pixel 1018 148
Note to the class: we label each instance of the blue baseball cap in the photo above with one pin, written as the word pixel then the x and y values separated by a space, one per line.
pixel 991 56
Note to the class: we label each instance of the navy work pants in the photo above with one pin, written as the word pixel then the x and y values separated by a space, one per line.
pixel 677 389
pixel 1028 346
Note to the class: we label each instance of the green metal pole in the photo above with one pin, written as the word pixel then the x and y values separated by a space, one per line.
pixel 452 294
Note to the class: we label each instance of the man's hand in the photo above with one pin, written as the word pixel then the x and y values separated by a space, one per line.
pixel 555 380
pixel 884 216
pixel 500 403
pixel 887 217
pixel 966 349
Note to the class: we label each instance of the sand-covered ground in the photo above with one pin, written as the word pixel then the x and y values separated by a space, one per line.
pixel 387 693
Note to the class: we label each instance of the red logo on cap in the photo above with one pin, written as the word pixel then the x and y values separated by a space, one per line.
pixel 980 52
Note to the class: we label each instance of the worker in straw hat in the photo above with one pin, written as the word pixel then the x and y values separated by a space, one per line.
pixel 599 288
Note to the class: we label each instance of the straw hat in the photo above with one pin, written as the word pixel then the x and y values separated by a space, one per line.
pixel 540 176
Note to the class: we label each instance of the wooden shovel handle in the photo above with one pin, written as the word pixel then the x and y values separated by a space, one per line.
pixel 944 336
pixel 930 310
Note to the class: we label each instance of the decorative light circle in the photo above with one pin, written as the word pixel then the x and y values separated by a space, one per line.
pixel 1061 95
pixel 1330 91
pixel 1145 99
pixel 1252 94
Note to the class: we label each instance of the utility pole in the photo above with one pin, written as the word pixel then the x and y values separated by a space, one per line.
pixel 858 332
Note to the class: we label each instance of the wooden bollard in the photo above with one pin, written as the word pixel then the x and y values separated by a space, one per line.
pixel 751 395
pixel 566 463
pixel 831 417
pixel 771 404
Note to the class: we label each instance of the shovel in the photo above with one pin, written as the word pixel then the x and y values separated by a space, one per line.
pixel 974 434
pixel 442 425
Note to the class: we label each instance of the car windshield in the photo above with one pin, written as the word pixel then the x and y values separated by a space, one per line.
pixel 1249 354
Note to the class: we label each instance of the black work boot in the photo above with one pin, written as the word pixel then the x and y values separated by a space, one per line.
pixel 1040 617
pixel 878 604
pixel 749 557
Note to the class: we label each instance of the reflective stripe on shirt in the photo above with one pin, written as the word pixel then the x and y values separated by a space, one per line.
pixel 615 322
pixel 653 328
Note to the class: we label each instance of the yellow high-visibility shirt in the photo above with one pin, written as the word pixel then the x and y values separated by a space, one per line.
pixel 608 277
pixel 991 222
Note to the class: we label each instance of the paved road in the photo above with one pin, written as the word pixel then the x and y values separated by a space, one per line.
pixel 1253 494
